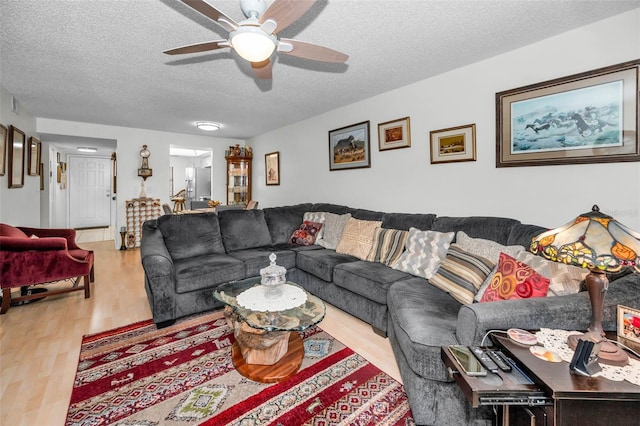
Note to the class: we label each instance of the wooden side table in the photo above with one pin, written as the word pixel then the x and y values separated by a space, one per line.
pixel 577 399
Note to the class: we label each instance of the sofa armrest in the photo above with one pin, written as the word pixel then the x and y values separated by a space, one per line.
pixel 68 233
pixel 32 244
pixel 571 312
pixel 156 259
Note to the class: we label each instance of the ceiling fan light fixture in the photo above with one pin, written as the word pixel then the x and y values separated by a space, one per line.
pixel 252 43
pixel 207 126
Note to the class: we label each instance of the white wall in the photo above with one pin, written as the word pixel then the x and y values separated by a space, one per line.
pixel 403 180
pixel 19 206
pixel 130 143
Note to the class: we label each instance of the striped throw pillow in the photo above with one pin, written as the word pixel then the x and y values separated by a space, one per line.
pixel 462 273
pixel 388 245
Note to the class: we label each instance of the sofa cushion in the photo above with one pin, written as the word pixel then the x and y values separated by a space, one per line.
pixel 208 271
pixel 306 233
pixel 408 220
pixel 370 280
pixel 357 237
pixel 486 248
pixel 364 214
pixel 424 252
pixel 282 221
pixel 244 229
pixel 514 280
pixel 388 245
pixel 424 319
pixel 191 235
pixel 462 273
pixel 333 227
pixel 522 234
pixel 565 279
pixel 321 263
pixel 492 228
pixel 258 258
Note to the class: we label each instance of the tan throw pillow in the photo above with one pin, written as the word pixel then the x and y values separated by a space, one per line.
pixel 357 237
pixel 565 279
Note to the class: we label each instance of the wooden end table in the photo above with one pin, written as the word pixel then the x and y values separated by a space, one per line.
pixel 267 345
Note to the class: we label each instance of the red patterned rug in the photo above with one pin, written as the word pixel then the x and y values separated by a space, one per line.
pixel 183 375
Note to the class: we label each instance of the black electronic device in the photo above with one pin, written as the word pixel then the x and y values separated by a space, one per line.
pixel 484 358
pixel 467 361
pixel 585 358
pixel 499 358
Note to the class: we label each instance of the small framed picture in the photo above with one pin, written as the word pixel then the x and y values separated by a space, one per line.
pixel 16 144
pixel 453 144
pixel 3 150
pixel 349 147
pixel 33 157
pixel 629 323
pixel 272 168
pixel 394 134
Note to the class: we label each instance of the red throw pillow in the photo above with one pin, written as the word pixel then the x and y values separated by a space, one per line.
pixel 306 234
pixel 514 280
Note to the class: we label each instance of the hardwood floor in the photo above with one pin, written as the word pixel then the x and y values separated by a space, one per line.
pixel 40 342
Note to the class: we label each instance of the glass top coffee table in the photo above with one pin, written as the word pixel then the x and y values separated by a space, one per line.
pixel 267 347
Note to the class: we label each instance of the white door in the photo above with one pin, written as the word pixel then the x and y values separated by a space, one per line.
pixel 89 192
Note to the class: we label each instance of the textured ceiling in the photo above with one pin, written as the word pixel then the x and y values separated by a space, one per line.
pixel 101 61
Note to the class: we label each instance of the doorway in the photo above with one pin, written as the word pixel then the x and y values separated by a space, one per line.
pixel 89 192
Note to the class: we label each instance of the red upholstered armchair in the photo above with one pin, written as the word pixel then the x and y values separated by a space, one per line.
pixel 53 256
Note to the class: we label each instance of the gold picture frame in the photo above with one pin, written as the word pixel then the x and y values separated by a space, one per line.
pixel 3 150
pixel 15 143
pixel 394 134
pixel 629 323
pixel 453 144
pixel 272 168
pixel 33 156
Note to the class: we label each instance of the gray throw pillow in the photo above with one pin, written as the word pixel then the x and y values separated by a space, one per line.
pixel 424 252
pixel 333 227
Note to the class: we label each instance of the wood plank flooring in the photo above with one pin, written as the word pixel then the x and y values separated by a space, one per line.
pixel 40 342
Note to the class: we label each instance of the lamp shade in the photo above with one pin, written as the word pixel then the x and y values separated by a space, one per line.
pixel 593 240
pixel 252 43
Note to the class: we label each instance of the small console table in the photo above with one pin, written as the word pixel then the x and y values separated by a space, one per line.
pixel 552 396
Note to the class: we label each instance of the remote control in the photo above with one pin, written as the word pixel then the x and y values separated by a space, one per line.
pixel 499 358
pixel 484 359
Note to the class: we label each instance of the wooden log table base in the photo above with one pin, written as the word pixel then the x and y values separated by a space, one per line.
pixel 283 369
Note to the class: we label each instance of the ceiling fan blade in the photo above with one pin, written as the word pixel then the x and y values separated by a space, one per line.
pixel 286 12
pixel 212 13
pixel 262 70
pixel 198 47
pixel 302 49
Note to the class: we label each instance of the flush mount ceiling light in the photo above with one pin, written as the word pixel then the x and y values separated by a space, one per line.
pixel 207 126
pixel 87 149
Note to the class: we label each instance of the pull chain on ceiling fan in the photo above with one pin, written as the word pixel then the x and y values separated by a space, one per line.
pixel 255 39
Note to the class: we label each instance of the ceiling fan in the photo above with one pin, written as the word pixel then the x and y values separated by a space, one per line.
pixel 255 39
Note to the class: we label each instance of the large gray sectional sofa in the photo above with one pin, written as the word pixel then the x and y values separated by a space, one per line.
pixel 185 257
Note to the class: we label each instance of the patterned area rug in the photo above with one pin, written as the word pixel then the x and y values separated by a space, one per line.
pixel 183 375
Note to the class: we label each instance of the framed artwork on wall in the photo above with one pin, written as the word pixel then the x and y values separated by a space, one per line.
pixel 394 134
pixel 591 117
pixel 16 142
pixel 33 161
pixel 272 168
pixel 453 144
pixel 349 147
pixel 3 150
